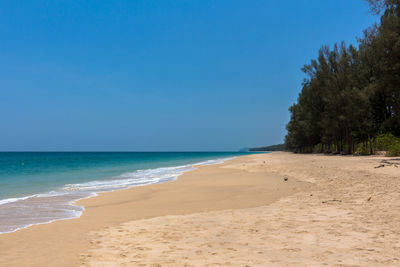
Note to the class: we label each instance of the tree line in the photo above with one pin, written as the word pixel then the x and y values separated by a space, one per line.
pixel 352 93
pixel 278 147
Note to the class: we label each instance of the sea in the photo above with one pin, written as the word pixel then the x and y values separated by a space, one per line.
pixel 41 187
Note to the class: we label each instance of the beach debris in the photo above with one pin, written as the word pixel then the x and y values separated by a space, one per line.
pixel 285 179
pixel 369 199
pixel 310 195
pixel 331 200
pixel 386 162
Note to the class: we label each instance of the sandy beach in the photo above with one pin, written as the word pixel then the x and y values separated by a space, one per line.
pixel 278 209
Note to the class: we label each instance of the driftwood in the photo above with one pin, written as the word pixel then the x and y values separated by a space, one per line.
pixel 331 200
pixel 386 162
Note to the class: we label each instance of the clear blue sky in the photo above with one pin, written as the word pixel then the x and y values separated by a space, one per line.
pixel 159 75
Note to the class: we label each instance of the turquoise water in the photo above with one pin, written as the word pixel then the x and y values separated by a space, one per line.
pixel 38 187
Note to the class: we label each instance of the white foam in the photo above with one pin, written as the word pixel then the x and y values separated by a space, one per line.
pixel 11 200
pixel 20 213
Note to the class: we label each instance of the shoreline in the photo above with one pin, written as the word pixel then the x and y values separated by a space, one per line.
pixel 350 216
pixel 80 208
pixel 330 210
pixel 194 191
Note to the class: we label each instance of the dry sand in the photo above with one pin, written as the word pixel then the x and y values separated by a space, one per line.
pixel 333 210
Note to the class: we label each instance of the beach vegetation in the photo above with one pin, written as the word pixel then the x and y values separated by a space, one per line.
pixel 278 147
pixel 350 98
pixel 388 142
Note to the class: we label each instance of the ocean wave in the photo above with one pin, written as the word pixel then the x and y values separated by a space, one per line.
pixel 126 180
pixel 19 213
pixel 14 199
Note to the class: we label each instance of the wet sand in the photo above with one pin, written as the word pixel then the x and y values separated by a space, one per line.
pixel 331 210
pixel 350 217
pixel 208 188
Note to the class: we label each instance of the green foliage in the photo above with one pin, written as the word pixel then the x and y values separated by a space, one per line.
pixel 352 93
pixel 317 148
pixel 383 142
pixel 362 149
pixel 377 6
pixel 388 142
pixel 279 147
pixel 394 150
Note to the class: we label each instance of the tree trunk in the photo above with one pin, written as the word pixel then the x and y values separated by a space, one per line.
pixel 370 145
